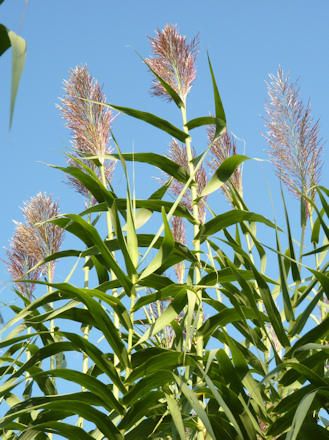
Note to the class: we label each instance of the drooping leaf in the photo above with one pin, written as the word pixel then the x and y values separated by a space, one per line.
pixel 228 219
pixel 18 45
pixel 162 162
pixel 223 173
pixel 154 120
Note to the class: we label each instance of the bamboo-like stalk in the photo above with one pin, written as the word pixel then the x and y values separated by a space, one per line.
pixel 51 326
pixel 85 357
pixel 197 247
pixel 115 293
pixel 131 330
pixel 52 321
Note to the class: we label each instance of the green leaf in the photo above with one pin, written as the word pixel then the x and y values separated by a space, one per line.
pixel 4 39
pixel 123 244
pixel 323 280
pixel 96 188
pixel 132 241
pixel 162 294
pixel 176 415
pixel 18 45
pixel 294 266
pixel 146 384
pixel 86 411
pixel 154 120
pixel 205 120
pixel 155 359
pixel 287 306
pixel 223 173
pixel 313 335
pixel 228 219
pixel 317 250
pixel 227 275
pixel 86 232
pixel 164 252
pixel 171 313
pixel 300 415
pixel 60 428
pixel 228 316
pixel 223 404
pixel 171 92
pixel 149 204
pixel 89 382
pixel 101 318
pixel 162 162
pixel 219 109
pixel 271 308
pixel 304 317
pixel 97 356
pixel 195 404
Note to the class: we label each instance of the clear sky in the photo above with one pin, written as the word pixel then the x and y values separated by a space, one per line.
pixel 246 41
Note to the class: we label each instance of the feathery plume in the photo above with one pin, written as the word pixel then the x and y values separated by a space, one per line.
pixel 293 137
pixel 223 147
pixel 90 123
pixel 178 154
pixel 174 61
pixel 38 210
pixel 22 255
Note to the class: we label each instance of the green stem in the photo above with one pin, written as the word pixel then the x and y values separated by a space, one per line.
pixel 196 243
pixel 51 326
pixel 85 358
pixel 52 322
pixel 131 330
pixel 115 293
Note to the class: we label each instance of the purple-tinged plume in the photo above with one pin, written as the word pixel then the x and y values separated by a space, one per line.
pixel 22 256
pixel 223 147
pixel 174 61
pixel 38 210
pixel 293 137
pixel 89 122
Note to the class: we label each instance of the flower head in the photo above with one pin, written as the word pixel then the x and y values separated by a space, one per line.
pixel 22 256
pixel 174 61
pixel 40 209
pixel 293 136
pixel 33 241
pixel 89 122
pixel 223 147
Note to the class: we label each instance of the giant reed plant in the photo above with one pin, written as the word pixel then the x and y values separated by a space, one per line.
pixel 184 331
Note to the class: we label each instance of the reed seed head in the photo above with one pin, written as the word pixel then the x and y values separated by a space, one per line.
pixel 23 254
pixel 38 210
pixel 293 137
pixel 223 147
pixel 90 122
pixel 174 61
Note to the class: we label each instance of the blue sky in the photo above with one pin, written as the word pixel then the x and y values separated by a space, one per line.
pixel 246 41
